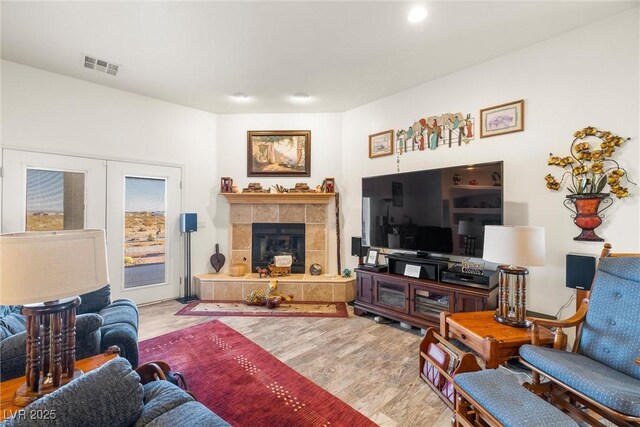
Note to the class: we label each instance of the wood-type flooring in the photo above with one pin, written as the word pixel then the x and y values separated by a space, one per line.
pixel 372 367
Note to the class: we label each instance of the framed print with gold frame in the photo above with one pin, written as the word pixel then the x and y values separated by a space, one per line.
pixel 381 144
pixel 279 153
pixel 501 119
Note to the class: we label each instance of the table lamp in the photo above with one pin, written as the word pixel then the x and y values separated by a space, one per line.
pixel 513 247
pixel 46 271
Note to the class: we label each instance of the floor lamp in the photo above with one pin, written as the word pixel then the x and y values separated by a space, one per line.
pixel 188 225
pixel 513 246
pixel 54 267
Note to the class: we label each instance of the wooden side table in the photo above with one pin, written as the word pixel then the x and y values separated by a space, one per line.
pixel 8 388
pixel 494 342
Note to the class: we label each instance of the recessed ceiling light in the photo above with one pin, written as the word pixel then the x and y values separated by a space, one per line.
pixel 301 97
pixel 417 14
pixel 240 96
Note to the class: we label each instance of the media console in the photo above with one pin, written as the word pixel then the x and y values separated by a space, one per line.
pixel 417 301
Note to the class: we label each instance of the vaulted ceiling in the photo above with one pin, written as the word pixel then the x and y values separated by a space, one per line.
pixel 343 54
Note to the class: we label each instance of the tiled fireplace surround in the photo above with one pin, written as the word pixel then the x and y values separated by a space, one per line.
pixel 314 216
pixel 304 287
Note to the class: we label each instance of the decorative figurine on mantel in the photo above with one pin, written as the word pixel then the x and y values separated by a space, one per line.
pixel 329 185
pixel 255 187
pixel 280 189
pixel 301 187
pixel 226 184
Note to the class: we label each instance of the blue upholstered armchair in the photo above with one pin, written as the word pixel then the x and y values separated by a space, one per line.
pixel 99 325
pixel 119 322
pixel 602 371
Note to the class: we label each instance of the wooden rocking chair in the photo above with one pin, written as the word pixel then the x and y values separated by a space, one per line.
pixel 602 372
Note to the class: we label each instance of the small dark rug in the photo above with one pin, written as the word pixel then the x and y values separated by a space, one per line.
pixel 243 383
pixel 286 309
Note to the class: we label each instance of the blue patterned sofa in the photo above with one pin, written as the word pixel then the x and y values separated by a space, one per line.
pixel 99 325
pixel 113 395
pixel 603 370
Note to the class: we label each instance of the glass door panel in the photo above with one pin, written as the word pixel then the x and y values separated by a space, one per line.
pixel 429 303
pixel 144 231
pixel 143 238
pixel 392 294
pixel 48 192
pixel 55 200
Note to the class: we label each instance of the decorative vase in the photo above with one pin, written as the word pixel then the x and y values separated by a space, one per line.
pixel 315 269
pixel 586 214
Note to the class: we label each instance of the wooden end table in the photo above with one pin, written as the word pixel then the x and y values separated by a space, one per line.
pixel 9 387
pixel 494 342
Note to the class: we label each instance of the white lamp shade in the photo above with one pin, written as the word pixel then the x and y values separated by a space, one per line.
pixel 45 266
pixel 514 245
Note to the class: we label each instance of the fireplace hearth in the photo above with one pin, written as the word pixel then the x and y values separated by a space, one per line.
pixel 271 239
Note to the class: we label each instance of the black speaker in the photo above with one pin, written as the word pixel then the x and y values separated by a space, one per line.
pixel 580 271
pixel 356 247
pixel 188 222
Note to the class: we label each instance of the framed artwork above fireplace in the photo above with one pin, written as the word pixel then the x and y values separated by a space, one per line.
pixel 279 153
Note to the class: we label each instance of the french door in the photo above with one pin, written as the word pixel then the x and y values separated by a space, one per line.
pixel 143 240
pixel 137 204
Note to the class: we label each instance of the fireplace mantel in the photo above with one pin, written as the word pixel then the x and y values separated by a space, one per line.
pixel 279 198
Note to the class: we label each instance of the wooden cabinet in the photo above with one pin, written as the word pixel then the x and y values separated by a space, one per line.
pixel 417 302
pixel 466 302
pixel 426 302
pixel 364 292
pixel 392 294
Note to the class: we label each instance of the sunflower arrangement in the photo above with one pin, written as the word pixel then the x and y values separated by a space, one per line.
pixel 588 169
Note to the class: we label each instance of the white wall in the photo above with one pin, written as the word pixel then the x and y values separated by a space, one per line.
pixel 53 113
pixel 589 76
pixel 326 142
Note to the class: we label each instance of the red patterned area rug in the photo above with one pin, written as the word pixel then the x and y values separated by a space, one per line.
pixel 286 309
pixel 243 383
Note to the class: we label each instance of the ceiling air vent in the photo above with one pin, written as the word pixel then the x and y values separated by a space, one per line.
pixel 100 65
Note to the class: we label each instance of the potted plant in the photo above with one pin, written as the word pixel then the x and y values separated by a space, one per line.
pixel 587 170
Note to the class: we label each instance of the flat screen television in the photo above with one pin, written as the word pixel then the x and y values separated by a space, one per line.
pixel 439 211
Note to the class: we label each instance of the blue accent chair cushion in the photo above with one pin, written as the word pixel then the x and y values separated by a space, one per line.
pixel 502 396
pixel 601 383
pixel 611 331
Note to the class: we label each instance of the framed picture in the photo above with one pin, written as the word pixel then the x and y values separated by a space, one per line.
pixel 381 144
pixel 226 184
pixel 372 257
pixel 501 119
pixel 396 193
pixel 329 185
pixel 279 153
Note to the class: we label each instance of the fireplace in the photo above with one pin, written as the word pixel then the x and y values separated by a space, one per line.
pixel 270 239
